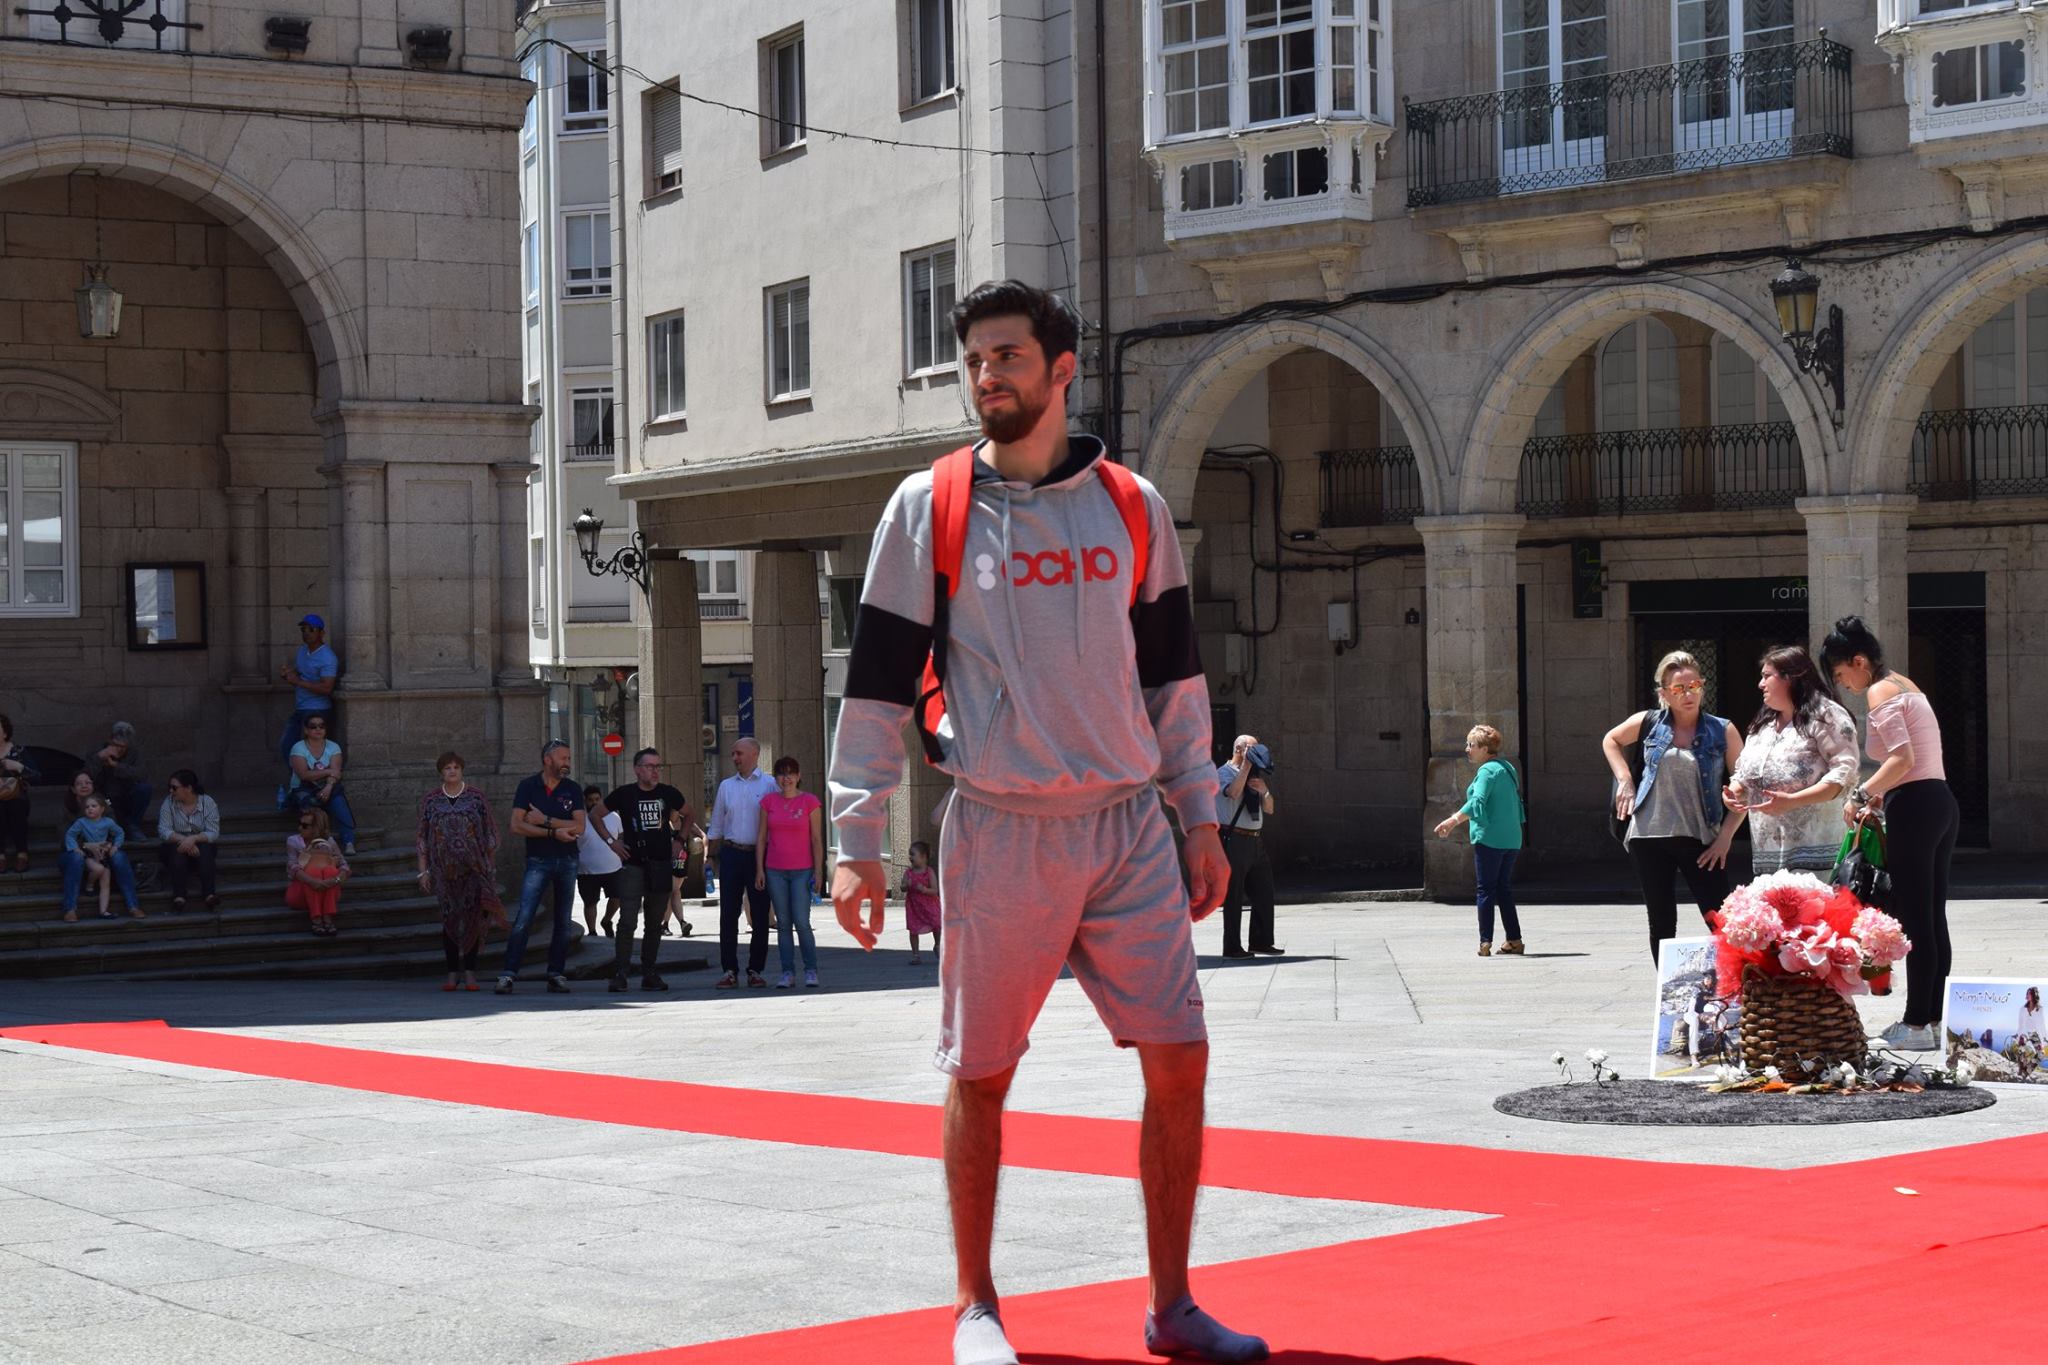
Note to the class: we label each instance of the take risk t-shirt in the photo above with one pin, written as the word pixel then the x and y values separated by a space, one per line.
pixel 643 815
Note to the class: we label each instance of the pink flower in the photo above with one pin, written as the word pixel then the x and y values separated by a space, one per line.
pixel 1802 956
pixel 1883 941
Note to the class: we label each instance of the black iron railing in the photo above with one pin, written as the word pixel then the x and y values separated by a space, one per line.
pixel 1377 487
pixel 1762 105
pixel 721 609
pixel 105 23
pixel 1676 469
pixel 590 450
pixel 1980 453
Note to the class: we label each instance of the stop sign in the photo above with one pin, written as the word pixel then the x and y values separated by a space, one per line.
pixel 614 745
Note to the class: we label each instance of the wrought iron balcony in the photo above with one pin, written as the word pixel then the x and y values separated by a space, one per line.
pixel 1674 469
pixel 157 24
pixel 1377 487
pixel 1765 104
pixel 590 450
pixel 1971 453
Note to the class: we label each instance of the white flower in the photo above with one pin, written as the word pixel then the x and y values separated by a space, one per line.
pixel 1558 1058
pixel 1724 1072
pixel 1770 1073
pixel 1848 1074
pixel 1965 1073
pixel 1596 1056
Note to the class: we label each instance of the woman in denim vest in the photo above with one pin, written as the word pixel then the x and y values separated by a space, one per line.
pixel 1677 822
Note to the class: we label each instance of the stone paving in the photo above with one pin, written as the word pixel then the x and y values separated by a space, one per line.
pixel 160 1213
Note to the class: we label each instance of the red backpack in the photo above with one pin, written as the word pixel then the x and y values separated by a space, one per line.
pixel 952 499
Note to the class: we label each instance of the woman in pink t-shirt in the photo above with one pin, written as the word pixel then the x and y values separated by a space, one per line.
pixel 790 856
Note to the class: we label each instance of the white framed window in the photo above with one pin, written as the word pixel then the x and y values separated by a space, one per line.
pixel 1280 59
pixel 135 30
pixel 1210 185
pixel 1194 57
pixel 1222 66
pixel 783 72
pixel 928 294
pixel 529 261
pixel 721 583
pixel 529 124
pixel 1638 369
pixel 586 254
pixel 1296 172
pixel 666 397
pixel 590 422
pixel 1979 74
pixel 2005 361
pixel 1743 394
pixel 789 341
pixel 931 49
pixel 38 528
pixel 664 140
pixel 1547 43
pixel 586 91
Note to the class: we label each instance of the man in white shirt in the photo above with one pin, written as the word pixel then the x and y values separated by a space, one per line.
pixel 735 826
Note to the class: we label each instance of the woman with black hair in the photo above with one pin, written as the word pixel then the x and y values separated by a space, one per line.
pixel 1799 757
pixel 188 830
pixel 1910 789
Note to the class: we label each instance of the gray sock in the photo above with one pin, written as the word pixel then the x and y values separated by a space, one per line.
pixel 978 1338
pixel 1185 1330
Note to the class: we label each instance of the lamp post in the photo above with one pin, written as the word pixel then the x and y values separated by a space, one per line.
pixel 1796 293
pixel 629 561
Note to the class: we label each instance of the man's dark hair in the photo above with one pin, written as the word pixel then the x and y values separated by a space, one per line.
pixel 1055 326
pixel 643 754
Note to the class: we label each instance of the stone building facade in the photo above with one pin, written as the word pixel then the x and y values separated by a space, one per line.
pixel 313 399
pixel 1448 329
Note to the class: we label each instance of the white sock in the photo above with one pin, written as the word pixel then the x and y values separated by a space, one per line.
pixel 978 1338
pixel 1182 1329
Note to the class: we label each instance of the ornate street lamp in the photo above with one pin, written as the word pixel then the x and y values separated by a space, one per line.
pixel 1796 292
pixel 630 560
pixel 99 305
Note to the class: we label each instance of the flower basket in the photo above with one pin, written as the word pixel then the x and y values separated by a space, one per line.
pixel 1793 1022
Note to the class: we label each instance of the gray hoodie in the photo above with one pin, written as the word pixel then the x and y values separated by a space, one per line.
pixel 1062 697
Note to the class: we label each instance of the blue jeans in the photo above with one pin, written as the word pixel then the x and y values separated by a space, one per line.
pixel 338 814
pixel 73 867
pixel 294 731
pixel 735 886
pixel 130 806
pixel 1495 869
pixel 540 874
pixel 789 889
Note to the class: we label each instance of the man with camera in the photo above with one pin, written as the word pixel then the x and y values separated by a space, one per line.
pixel 1243 801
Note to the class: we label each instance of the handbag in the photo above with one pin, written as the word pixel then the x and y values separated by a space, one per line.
pixel 1859 863
pixel 1616 827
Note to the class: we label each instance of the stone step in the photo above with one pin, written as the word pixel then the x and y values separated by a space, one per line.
pixel 590 960
pixel 373 877
pixel 233 840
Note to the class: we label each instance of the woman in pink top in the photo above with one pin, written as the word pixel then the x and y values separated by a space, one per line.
pixel 790 854
pixel 1910 789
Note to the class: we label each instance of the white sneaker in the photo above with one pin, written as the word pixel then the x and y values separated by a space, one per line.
pixel 1905 1037
pixel 788 980
pixel 810 978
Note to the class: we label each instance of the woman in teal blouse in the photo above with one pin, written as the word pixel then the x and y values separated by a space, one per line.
pixel 1493 808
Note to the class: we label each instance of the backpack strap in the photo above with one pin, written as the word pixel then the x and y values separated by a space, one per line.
pixel 1123 489
pixel 952 499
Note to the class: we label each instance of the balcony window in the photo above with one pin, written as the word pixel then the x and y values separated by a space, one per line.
pixel 587 255
pixel 665 393
pixel 590 422
pixel 586 92
pixel 1963 65
pixel 159 25
pixel 1195 60
pixel 1297 172
pixel 1974 75
pixel 1280 59
pixel 1209 185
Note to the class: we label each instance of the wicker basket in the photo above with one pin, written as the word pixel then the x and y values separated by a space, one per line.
pixel 1793 1022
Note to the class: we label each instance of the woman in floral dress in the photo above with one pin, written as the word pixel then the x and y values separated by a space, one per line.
pixel 458 852
pixel 1799 758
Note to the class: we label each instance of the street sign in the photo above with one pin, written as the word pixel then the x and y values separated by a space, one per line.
pixel 614 745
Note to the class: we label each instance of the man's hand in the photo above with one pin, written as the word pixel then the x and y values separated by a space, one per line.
pixel 1258 784
pixel 1208 871
pixel 854 882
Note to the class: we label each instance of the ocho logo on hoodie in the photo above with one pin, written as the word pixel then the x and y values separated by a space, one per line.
pixel 1050 568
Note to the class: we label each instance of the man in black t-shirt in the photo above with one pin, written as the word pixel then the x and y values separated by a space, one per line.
pixel 548 811
pixel 643 808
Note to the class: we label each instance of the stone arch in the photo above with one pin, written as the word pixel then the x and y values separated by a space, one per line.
pixel 1492 457
pixel 1928 332
pixel 316 290
pixel 45 403
pixel 1182 421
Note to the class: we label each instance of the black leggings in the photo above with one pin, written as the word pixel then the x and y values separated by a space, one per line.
pixel 14 825
pixel 457 960
pixel 1920 820
pixel 1656 860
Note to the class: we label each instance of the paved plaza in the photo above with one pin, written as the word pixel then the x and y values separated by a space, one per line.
pixel 160 1213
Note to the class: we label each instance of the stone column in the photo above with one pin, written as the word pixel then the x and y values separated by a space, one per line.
pixel 789 662
pixel 248 587
pixel 1469 608
pixel 359 579
pixel 511 666
pixel 672 672
pixel 1856 564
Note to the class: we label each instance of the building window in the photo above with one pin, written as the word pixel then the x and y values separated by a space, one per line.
pixel 529 125
pixel 586 255
pixel 590 422
pixel 529 257
pixel 664 140
pixel 928 305
pixel 1639 377
pixel 1195 60
pixel 1978 75
pixel 1220 66
pixel 931 49
pixel 665 393
pixel 1298 172
pixel 586 91
pixel 1548 42
pixel 38 529
pixel 783 58
pixel 1210 185
pixel 1280 59
pixel 718 573
pixel 789 341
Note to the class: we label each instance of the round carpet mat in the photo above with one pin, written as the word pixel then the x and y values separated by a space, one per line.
pixel 1678 1103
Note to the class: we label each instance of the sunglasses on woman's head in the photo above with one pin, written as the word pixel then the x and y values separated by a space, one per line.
pixel 305 824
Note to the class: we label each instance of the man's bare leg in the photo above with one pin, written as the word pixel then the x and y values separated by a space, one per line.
pixel 974 1154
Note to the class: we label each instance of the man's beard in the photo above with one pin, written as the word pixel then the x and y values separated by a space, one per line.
pixel 1014 423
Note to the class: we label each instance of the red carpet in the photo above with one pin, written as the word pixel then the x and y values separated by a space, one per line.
pixel 1595 1259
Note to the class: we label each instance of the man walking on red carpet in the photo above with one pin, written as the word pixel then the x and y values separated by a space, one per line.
pixel 1046 590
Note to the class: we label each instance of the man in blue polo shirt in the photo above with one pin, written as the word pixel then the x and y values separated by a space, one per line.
pixel 548 811
pixel 313 672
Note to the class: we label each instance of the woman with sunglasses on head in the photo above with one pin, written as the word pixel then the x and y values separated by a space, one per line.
pixel 1910 789
pixel 1799 757
pixel 1677 823
pixel 299 884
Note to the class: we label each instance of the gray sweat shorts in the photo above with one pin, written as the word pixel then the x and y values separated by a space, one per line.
pixel 1021 895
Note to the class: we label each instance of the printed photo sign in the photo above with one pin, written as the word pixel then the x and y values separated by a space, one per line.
pixel 1997 1025
pixel 1692 1030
